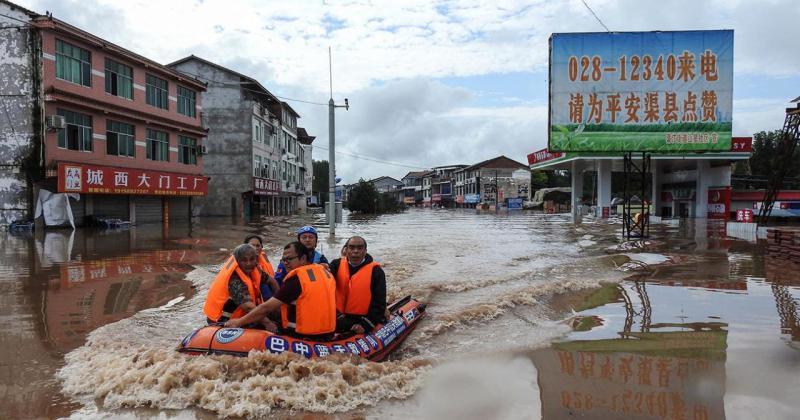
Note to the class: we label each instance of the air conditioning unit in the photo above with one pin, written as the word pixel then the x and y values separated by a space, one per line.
pixel 55 121
pixel 201 150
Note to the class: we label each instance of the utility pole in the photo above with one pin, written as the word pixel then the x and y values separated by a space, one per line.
pixel 331 153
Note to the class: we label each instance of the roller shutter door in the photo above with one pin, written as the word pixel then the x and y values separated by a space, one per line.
pixel 78 209
pixel 179 208
pixel 111 206
pixel 148 209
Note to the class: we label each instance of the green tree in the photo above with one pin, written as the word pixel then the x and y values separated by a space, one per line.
pixel 319 185
pixel 365 198
pixel 765 146
pixel 539 180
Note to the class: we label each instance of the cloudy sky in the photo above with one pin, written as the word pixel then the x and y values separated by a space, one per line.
pixel 433 82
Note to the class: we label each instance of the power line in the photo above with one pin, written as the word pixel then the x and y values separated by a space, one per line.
pixel 240 85
pixel 373 159
pixel 595 15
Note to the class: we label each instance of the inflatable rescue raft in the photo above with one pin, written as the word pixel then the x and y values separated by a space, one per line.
pixel 212 339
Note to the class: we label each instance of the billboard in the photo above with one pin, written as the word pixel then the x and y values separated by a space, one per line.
pixel 641 91
pixel 94 179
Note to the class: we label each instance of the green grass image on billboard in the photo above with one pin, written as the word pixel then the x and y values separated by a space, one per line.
pixel 633 138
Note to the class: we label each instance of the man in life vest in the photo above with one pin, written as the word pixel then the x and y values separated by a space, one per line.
pixel 268 283
pixel 360 288
pixel 307 236
pixel 307 299
pixel 236 289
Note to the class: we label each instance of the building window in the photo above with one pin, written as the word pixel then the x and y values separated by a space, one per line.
pixel 265 169
pixel 283 167
pixel 257 166
pixel 78 134
pixel 256 131
pixel 187 150
pixel 186 101
pixel 120 139
pixel 275 170
pixel 157 145
pixel 73 64
pixel 157 93
pixel 119 79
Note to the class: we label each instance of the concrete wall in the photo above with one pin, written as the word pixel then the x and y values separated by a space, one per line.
pixel 19 120
pixel 228 114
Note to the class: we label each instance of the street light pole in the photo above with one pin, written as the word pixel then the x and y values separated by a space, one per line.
pixel 331 167
pixel 331 153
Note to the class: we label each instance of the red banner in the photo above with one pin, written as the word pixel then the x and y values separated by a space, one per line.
pixel 719 202
pixel 263 186
pixel 91 179
pixel 542 156
pixel 742 144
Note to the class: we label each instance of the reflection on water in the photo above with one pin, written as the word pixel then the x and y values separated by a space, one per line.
pixel 59 285
pixel 698 339
pixel 703 327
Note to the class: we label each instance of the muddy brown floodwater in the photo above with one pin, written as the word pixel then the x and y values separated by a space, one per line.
pixel 530 316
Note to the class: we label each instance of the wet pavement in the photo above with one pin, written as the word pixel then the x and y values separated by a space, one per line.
pixel 530 315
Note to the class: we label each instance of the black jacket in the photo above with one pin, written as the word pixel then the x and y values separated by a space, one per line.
pixel 377 307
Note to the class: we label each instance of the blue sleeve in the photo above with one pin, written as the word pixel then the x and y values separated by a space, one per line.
pixel 280 273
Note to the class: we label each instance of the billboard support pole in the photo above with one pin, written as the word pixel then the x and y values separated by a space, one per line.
pixel 781 161
pixel 636 224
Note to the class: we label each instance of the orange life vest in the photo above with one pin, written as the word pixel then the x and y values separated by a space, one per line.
pixel 353 294
pixel 266 265
pixel 218 292
pixel 315 309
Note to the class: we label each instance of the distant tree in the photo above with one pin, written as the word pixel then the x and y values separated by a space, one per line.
pixel 365 198
pixel 762 161
pixel 319 185
pixel 538 180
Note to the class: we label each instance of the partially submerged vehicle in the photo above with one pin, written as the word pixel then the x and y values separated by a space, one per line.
pixel 214 339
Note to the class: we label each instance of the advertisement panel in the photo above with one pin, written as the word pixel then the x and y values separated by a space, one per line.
pixel 719 203
pixel 264 186
pixel 641 91
pixel 92 179
pixel 472 198
pixel 515 203
pixel 543 156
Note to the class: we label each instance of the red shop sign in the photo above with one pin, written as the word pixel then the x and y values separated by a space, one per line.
pixel 542 156
pixel 91 179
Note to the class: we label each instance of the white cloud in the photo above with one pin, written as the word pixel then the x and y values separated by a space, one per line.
pixel 387 53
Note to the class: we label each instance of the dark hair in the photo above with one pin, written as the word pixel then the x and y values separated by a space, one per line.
pixel 359 237
pixel 248 238
pixel 299 249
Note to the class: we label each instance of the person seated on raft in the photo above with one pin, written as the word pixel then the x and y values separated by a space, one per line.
pixel 307 236
pixel 360 289
pixel 236 289
pixel 307 299
pixel 268 283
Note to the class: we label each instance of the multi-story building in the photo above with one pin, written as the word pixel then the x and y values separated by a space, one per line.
pixel 389 185
pixel 412 187
pixel 489 182
pixel 306 165
pixel 121 130
pixel 442 185
pixel 428 178
pixel 20 98
pixel 255 160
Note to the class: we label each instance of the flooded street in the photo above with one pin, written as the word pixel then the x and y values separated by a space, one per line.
pixel 528 315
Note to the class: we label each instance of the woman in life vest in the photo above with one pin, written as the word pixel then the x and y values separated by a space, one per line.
pixel 307 299
pixel 360 288
pixel 268 284
pixel 307 236
pixel 236 289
